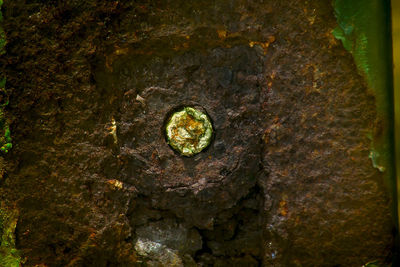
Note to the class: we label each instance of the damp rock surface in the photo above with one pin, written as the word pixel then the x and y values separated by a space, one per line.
pixel 285 181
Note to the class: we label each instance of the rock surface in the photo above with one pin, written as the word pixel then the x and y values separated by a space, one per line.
pixel 286 181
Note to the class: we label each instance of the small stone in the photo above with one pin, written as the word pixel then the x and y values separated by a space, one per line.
pixel 157 254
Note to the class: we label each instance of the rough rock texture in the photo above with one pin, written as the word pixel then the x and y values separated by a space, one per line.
pixel 286 181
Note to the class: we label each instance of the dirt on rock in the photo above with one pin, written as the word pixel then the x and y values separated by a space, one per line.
pixel 286 180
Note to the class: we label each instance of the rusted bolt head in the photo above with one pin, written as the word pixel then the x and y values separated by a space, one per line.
pixel 188 131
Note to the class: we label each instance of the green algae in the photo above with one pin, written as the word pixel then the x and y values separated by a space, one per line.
pixel 364 29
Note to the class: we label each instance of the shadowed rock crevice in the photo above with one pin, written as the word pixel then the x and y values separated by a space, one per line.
pixel 237 237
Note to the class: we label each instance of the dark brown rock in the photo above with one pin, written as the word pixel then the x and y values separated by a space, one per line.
pixel 286 181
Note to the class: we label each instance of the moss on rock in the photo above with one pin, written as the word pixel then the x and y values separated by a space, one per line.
pixel 9 255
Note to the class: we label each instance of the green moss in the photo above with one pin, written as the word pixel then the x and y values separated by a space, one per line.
pixel 5 133
pixel 5 140
pixel 9 255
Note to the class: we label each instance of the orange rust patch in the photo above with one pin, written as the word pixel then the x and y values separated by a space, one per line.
pixel 283 208
pixel 192 126
pixel 264 45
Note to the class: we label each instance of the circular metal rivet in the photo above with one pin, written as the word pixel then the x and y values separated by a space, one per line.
pixel 189 131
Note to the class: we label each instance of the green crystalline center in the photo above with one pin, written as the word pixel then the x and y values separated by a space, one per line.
pixel 189 131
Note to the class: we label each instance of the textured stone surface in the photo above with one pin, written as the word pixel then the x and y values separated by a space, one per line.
pixel 286 181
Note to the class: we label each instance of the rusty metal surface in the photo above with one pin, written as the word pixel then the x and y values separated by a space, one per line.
pixel 286 181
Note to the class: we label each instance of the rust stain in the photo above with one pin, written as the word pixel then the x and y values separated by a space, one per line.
pixel 116 183
pixel 221 34
pixel 192 126
pixel 264 45
pixel 283 208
